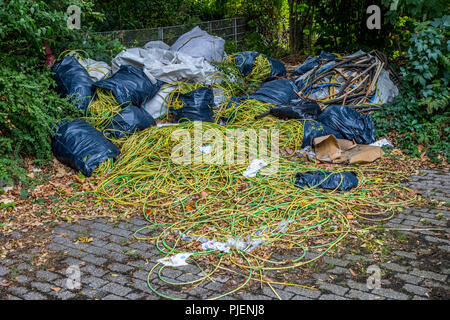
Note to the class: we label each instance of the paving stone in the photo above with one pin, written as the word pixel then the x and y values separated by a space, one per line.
pixel 94 282
pixel 360 295
pixel 113 297
pixel 304 291
pixel 95 260
pixel 409 278
pixel 63 295
pixel 339 290
pixel 46 275
pixel 20 291
pixel 34 296
pixel 119 267
pixel 41 286
pixel 337 262
pixel 22 279
pixel 331 297
pixel 134 296
pixel 421 291
pixel 394 267
pixel 428 275
pixel 252 296
pixel 93 270
pixel 284 295
pixel 3 271
pixel 389 293
pixel 405 254
pixel 116 289
pixel 357 286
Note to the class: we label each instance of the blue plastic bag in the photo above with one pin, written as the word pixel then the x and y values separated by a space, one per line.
pixel 343 181
pixel 197 106
pixel 350 124
pixel 73 81
pixel 81 146
pixel 130 85
pixel 129 120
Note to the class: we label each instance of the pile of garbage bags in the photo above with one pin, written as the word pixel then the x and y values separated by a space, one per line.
pixel 320 92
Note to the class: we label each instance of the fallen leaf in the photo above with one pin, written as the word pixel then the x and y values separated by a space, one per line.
pixel 56 289
pixel 352 272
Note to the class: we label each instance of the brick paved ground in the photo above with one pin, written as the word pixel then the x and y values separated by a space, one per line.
pixel 413 264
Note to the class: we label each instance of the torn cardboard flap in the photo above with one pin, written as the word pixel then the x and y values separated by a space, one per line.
pixel 330 149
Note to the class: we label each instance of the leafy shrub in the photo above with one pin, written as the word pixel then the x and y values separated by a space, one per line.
pixel 420 114
pixel 29 104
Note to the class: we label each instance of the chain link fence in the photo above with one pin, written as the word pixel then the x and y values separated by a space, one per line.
pixel 228 29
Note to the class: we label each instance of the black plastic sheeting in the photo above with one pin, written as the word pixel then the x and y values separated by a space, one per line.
pixel 130 85
pixel 81 146
pixel 343 181
pixel 245 60
pixel 129 120
pixel 197 106
pixel 277 68
pixel 312 62
pixel 73 81
pixel 313 129
pixel 279 91
pixel 297 109
pixel 351 124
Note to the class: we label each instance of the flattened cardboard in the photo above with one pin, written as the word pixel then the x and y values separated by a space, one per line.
pixel 330 149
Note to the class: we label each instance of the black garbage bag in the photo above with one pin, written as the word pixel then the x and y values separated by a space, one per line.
pixel 81 146
pixel 279 91
pixel 73 81
pixel 296 109
pixel 314 129
pixel 277 68
pixel 312 62
pixel 349 123
pixel 130 85
pixel 129 120
pixel 343 181
pixel 327 56
pixel 245 60
pixel 306 66
pixel 197 106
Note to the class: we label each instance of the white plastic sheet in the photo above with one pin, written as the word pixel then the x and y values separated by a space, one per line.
pixel 198 43
pixel 164 65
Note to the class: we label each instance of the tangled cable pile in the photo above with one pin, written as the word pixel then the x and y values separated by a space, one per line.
pixel 189 204
pixel 351 80
pixel 188 180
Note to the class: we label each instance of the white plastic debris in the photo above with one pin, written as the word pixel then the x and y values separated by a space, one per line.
pixel 382 142
pixel 176 260
pixel 254 167
pixel 157 105
pixel 35 170
pixel 7 189
pixel 215 245
pixel 198 43
pixel 206 149
pixel 165 65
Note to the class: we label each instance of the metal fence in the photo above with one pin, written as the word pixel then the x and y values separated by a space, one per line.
pixel 228 29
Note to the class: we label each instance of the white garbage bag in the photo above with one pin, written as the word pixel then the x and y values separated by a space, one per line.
pixel 157 106
pixel 198 43
pixel 165 65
